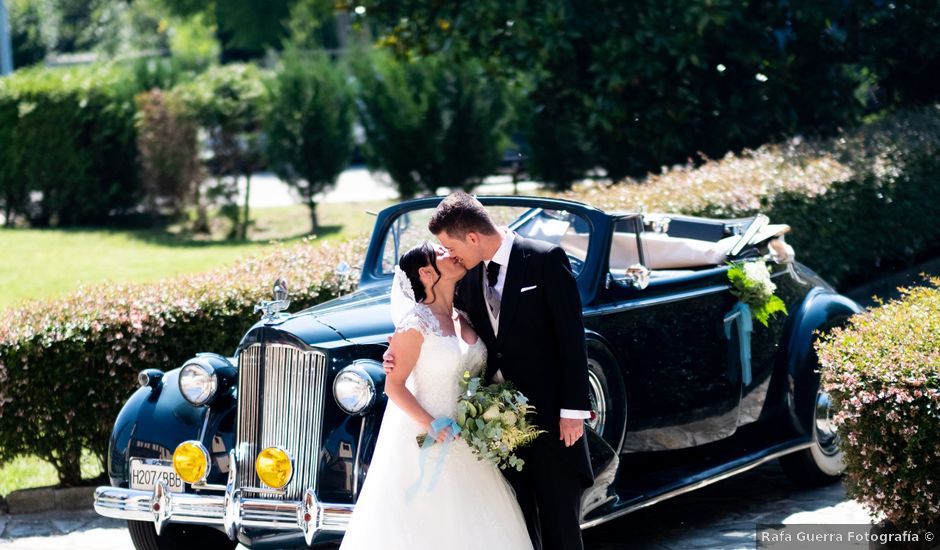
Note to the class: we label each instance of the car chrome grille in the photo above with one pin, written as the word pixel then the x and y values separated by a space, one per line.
pixel 280 403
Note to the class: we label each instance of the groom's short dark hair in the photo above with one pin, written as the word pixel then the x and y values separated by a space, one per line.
pixel 458 214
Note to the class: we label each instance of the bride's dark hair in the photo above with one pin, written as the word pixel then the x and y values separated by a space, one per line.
pixel 413 260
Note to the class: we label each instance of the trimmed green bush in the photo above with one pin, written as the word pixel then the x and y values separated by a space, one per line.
pixel 69 135
pixel 67 366
pixel 430 122
pixel 860 203
pixel 883 373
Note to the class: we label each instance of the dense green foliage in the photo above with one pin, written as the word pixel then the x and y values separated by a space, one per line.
pixel 861 203
pixel 309 125
pixel 69 135
pixel 431 122
pixel 67 366
pixel 631 86
pixel 883 372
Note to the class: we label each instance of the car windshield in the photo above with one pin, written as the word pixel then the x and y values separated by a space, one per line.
pixel 559 227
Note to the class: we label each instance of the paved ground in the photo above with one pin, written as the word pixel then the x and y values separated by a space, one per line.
pixel 722 516
pixel 355 184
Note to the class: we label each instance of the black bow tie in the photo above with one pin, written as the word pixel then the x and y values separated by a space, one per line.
pixel 492 273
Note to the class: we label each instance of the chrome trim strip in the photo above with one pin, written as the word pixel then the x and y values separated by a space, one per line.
pixel 205 426
pixel 698 485
pixel 357 469
pixel 647 302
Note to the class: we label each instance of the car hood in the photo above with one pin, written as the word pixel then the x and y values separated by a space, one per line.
pixel 361 317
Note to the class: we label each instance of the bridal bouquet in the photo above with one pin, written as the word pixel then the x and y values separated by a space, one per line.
pixel 494 420
pixel 752 285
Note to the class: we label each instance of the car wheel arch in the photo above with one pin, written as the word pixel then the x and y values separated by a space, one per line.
pixel 602 360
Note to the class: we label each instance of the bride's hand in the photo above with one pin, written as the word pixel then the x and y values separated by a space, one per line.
pixel 443 435
pixel 388 359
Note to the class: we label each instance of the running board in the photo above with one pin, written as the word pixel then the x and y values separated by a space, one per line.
pixel 703 479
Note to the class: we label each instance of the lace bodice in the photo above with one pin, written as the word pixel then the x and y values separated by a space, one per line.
pixel 441 362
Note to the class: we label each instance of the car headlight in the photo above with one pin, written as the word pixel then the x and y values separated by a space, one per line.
pixel 198 383
pixel 191 461
pixel 275 467
pixel 354 389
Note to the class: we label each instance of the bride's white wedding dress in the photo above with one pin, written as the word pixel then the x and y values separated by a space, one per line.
pixel 471 505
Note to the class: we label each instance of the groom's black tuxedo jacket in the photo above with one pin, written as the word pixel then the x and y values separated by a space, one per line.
pixel 540 345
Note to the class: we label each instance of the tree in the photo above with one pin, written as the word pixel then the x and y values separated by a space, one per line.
pixel 168 154
pixel 228 103
pixel 642 84
pixel 431 122
pixel 246 28
pixel 309 125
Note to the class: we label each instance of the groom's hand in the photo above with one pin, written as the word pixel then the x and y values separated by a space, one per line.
pixel 571 430
pixel 388 359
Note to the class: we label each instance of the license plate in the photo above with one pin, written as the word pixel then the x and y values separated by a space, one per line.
pixel 145 474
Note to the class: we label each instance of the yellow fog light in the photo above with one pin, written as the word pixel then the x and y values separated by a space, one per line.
pixel 191 461
pixel 274 467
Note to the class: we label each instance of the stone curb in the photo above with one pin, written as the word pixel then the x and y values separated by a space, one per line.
pixel 46 499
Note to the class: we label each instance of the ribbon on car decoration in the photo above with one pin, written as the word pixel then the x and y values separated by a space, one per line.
pixel 740 315
pixel 439 424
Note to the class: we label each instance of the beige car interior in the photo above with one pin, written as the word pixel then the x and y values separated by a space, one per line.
pixel 664 255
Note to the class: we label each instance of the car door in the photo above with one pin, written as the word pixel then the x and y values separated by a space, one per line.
pixel 682 371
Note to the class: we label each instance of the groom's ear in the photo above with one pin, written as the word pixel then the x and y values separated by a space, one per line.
pixel 472 237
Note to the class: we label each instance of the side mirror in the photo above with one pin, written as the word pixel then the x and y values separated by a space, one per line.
pixel 637 276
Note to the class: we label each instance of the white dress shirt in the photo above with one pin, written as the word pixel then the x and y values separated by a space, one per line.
pixel 502 258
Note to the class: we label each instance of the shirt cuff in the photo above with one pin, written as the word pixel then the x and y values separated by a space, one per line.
pixel 498 377
pixel 575 415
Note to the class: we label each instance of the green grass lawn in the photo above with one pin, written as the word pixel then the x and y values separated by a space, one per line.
pixel 29 471
pixel 50 263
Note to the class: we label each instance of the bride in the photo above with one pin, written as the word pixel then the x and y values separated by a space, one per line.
pixel 446 498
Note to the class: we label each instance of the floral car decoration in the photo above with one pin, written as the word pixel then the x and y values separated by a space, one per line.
pixel 269 444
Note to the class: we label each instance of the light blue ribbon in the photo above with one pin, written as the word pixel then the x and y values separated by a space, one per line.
pixel 742 314
pixel 439 424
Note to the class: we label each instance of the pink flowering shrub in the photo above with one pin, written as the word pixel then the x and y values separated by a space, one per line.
pixel 68 365
pixel 862 201
pixel 883 372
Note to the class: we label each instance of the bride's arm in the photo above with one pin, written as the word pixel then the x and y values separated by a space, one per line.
pixel 405 347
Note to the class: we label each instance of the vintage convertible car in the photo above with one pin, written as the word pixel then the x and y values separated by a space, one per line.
pixel 270 447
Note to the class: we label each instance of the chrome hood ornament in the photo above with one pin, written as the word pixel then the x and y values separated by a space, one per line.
pixel 271 309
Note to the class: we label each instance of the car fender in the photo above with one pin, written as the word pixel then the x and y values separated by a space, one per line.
pixel 820 310
pixel 157 418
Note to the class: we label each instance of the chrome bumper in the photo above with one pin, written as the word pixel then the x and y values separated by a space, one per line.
pixel 229 511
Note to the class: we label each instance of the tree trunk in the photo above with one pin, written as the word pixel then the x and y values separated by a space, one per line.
pixel 68 465
pixel 314 225
pixel 201 225
pixel 243 233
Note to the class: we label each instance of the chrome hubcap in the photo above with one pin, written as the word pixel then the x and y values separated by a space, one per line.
pixel 598 400
pixel 827 439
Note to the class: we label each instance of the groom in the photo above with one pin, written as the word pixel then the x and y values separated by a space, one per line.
pixel 522 299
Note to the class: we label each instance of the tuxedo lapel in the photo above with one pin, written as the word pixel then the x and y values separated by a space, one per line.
pixel 514 275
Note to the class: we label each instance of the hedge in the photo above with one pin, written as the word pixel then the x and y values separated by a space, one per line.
pixel 69 135
pixel 860 203
pixel 883 373
pixel 68 365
